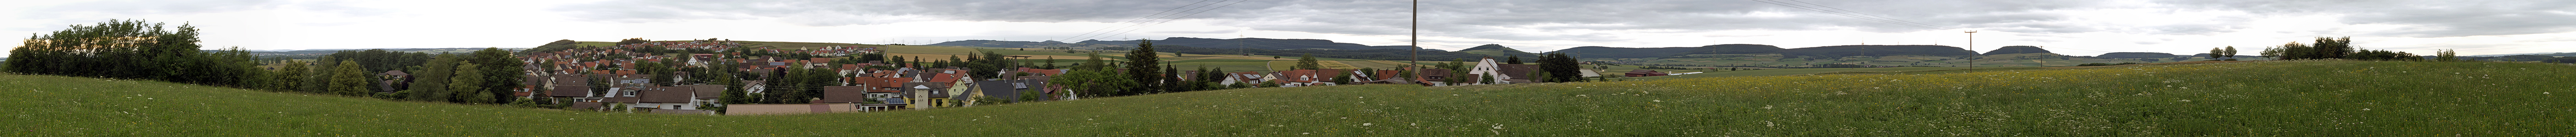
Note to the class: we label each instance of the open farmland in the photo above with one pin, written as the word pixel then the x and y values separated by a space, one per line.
pixel 2272 98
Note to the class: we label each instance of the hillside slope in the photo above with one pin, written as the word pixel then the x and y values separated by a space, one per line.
pixel 1497 50
pixel 2273 98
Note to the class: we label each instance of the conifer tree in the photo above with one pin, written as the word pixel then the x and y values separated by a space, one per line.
pixel 1142 65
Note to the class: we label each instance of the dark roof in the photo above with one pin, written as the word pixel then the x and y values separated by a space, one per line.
pixel 844 94
pixel 707 91
pixel 532 80
pixel 618 99
pixel 570 91
pixel 1516 71
pixel 666 94
pixel 1008 90
pixel 396 72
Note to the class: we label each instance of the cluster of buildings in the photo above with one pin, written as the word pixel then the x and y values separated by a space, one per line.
pixel 874 85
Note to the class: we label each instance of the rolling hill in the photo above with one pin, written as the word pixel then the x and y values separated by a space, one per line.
pixel 2131 55
pixel 1252 43
pixel 2270 98
pixel 2016 50
pixel 1666 52
pixel 1497 50
pixel 1025 44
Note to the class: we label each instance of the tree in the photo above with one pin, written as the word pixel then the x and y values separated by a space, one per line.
pixel 1142 66
pixel 2215 53
pixel 430 84
pixel 292 77
pixel 2447 55
pixel 2328 47
pixel 1560 67
pixel 500 73
pixel 134 49
pixel 468 87
pixel 1343 78
pixel 1307 62
pixel 1488 79
pixel 1171 80
pixel 1050 63
pixel 623 42
pixel 2231 51
pixel 349 79
pixel 1513 59
pixel 734 93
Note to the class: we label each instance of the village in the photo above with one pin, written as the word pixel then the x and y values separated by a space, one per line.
pixel 610 79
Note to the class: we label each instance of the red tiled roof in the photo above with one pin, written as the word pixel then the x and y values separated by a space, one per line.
pixel 1293 75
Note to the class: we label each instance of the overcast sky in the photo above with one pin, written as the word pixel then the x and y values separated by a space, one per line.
pixel 2072 27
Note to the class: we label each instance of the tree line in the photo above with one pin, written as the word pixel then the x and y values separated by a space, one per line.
pixel 134 49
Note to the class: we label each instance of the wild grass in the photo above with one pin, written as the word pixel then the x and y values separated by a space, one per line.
pixel 2271 98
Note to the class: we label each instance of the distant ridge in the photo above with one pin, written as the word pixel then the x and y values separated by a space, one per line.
pixel 1876 50
pixel 1620 52
pixel 1252 43
pixel 1023 44
pixel 2125 55
pixel 2016 50
pixel 1497 50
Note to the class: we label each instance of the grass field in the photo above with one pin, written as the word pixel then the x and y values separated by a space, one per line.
pixel 2274 98
pixel 1778 72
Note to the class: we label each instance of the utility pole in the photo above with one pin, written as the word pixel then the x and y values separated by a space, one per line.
pixel 1972 50
pixel 1415 40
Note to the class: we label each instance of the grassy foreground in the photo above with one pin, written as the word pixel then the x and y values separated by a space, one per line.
pixel 2279 98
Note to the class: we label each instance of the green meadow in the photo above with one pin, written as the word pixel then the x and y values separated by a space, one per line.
pixel 2265 98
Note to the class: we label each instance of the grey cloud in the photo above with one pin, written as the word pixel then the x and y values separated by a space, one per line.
pixel 2442 18
pixel 1573 20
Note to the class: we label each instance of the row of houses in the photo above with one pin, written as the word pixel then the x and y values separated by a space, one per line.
pixel 866 87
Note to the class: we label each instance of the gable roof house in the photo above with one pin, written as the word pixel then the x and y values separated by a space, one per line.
pixel 1243 77
pixel 1298 78
pixel 1503 73
pixel 845 94
pixel 1008 91
pixel 666 98
pixel 924 95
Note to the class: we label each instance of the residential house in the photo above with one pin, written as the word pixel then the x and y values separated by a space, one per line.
pixel 925 95
pixel 1504 73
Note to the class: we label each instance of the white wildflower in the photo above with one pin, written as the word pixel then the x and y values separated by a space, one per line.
pixel 2186 100
pixel 1766 106
pixel 1659 100
pixel 1367 124
pixel 2365 109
